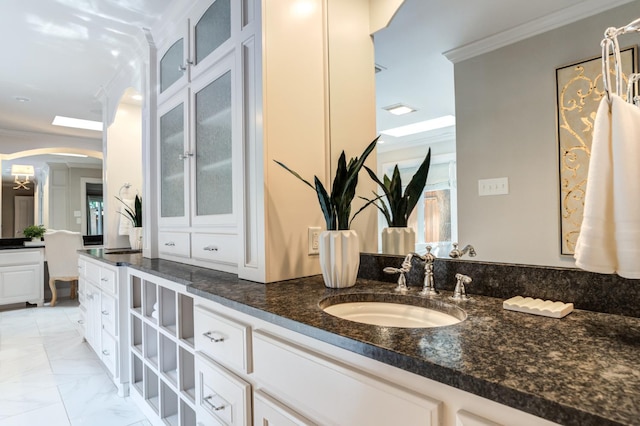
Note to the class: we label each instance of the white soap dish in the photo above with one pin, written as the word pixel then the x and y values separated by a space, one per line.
pixel 546 308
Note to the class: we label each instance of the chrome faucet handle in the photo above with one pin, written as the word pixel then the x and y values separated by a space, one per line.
pixel 460 293
pixel 455 253
pixel 402 280
pixel 428 287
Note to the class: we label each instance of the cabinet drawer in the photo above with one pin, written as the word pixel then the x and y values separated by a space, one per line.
pixel 109 280
pixel 219 248
pixel 110 353
pixel 81 267
pixel 174 243
pixel 92 272
pixel 222 339
pixel 221 397
pixel 267 411
pixel 109 314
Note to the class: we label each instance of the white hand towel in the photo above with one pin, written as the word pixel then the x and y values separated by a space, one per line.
pixel 609 240
pixel 125 224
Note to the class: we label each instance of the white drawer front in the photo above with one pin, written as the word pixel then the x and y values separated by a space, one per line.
pixel 221 397
pixel 109 314
pixel 174 243
pixel 267 411
pixel 219 248
pixel 110 353
pixel 109 280
pixel 81 267
pixel 222 339
pixel 92 272
pixel 20 257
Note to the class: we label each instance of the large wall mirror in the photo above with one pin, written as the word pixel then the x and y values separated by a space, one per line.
pixel 63 191
pixel 504 103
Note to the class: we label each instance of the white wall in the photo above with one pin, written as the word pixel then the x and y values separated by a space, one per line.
pixel 506 127
pixel 123 164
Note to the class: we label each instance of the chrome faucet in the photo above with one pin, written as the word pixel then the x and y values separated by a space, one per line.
pixel 429 287
pixel 456 253
pixel 402 280
pixel 460 293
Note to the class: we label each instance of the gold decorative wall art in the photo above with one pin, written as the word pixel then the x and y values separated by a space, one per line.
pixel 579 91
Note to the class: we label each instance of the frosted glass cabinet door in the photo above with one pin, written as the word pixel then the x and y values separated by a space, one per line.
pixel 212 29
pixel 173 164
pixel 171 65
pixel 213 142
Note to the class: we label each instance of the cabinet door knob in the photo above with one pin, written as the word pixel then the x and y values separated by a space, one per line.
pixel 105 352
pixel 213 336
pixel 105 312
pixel 185 156
pixel 207 400
pixel 210 248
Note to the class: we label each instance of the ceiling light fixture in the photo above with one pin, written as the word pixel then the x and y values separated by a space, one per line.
pixel 77 123
pixel 421 126
pixel 399 109
pixel 19 170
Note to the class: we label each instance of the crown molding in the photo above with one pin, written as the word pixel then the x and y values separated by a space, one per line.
pixel 537 26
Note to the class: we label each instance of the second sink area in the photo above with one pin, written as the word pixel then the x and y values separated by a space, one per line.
pixel 389 310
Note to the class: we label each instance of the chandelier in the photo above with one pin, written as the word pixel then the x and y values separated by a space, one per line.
pixel 19 171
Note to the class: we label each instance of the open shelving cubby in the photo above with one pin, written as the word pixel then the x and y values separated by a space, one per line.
pixel 161 349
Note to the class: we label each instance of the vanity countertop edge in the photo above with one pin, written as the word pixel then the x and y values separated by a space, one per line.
pixel 581 369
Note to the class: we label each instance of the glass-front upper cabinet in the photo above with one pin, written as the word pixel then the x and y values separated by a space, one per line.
pixel 173 64
pixel 214 132
pixel 211 32
pixel 174 161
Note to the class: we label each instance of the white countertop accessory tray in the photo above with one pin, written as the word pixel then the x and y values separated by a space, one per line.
pixel 546 308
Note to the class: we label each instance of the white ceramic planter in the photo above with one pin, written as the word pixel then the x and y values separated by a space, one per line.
pixel 398 241
pixel 135 238
pixel 339 258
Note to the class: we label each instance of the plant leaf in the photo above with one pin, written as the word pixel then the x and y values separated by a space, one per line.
pixel 416 185
pixel 325 205
pixel 295 174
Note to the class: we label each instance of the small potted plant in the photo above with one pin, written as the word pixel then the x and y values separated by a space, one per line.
pixel 134 214
pixel 339 271
pixel 35 232
pixel 397 206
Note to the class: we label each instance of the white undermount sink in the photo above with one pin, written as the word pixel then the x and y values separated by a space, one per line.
pixel 393 314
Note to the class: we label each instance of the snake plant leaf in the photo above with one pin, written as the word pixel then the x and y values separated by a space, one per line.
pixel 325 204
pixel 295 174
pixel 416 185
pixel 382 206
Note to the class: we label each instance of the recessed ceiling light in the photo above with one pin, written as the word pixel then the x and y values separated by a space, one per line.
pixel 421 126
pixel 77 123
pixel 399 109
pixel 21 98
pixel 69 154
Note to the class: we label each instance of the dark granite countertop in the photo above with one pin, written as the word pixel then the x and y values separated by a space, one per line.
pixel 579 370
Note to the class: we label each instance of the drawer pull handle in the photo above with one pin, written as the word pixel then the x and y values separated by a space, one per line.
pixel 210 248
pixel 105 312
pixel 210 335
pixel 80 322
pixel 170 244
pixel 104 279
pixel 105 352
pixel 207 400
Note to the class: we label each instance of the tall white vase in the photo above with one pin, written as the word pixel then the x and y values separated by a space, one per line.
pixel 339 258
pixel 135 238
pixel 398 241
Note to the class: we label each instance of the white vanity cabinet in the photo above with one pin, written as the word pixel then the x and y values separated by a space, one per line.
pixel 199 139
pixel 21 276
pixel 161 349
pixel 102 296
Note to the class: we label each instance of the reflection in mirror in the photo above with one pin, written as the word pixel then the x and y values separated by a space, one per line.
pixel 93 208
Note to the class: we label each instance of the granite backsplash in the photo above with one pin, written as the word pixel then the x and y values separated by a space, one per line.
pixel 586 290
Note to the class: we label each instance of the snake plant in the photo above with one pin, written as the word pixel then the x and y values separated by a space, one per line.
pixel 336 207
pixel 399 206
pixel 133 214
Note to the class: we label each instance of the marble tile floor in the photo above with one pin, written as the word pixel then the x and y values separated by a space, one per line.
pixel 49 376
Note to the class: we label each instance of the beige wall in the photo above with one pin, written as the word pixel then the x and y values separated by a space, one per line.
pixel 123 163
pixel 506 127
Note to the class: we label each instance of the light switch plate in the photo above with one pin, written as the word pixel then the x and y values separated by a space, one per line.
pixel 496 186
pixel 314 236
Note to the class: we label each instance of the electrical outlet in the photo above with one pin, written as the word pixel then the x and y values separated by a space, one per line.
pixel 314 236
